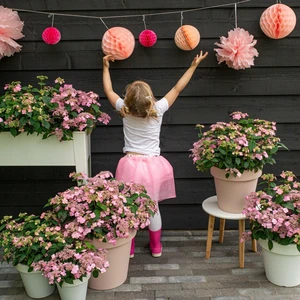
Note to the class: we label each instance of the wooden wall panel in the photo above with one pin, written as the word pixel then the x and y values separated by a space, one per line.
pixel 269 90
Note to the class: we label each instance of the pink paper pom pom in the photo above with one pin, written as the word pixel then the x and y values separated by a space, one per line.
pixel 118 42
pixel 10 29
pixel 147 38
pixel 237 50
pixel 278 21
pixel 51 36
pixel 187 37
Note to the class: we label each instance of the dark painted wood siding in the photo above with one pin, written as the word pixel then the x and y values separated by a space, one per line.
pixel 270 90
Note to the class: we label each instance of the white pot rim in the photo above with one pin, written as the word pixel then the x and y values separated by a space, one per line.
pixel 290 249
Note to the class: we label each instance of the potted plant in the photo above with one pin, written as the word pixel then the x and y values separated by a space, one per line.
pixel 47 125
pixel 236 152
pixel 108 212
pixel 28 239
pixel 71 268
pixel 274 213
pixel 49 110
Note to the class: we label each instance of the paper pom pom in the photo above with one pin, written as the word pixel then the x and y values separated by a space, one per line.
pixel 237 50
pixel 147 38
pixel 118 42
pixel 10 29
pixel 187 37
pixel 51 36
pixel 278 21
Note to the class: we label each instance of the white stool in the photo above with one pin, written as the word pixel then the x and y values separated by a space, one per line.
pixel 210 206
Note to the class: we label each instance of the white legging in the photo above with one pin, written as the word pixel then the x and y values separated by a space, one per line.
pixel 155 221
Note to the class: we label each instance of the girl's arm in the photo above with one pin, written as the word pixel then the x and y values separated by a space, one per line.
pixel 107 85
pixel 185 78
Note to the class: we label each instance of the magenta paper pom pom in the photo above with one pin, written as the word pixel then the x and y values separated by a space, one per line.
pixel 278 21
pixel 187 37
pixel 51 36
pixel 147 38
pixel 237 50
pixel 10 29
pixel 118 42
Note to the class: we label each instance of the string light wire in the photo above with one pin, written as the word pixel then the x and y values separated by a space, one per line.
pixel 129 16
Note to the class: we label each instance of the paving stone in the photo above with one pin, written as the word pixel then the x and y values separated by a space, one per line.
pixel 145 295
pixel 161 287
pixel 230 298
pixel 174 273
pixel 144 280
pixel 177 279
pixel 161 267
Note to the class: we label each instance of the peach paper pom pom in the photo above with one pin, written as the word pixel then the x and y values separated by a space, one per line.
pixel 237 50
pixel 118 42
pixel 278 21
pixel 10 29
pixel 187 37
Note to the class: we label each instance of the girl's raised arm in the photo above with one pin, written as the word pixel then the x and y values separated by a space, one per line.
pixel 107 85
pixel 172 95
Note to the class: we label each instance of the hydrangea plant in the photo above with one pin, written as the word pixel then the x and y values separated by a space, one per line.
pixel 101 207
pixel 242 144
pixel 274 211
pixel 49 110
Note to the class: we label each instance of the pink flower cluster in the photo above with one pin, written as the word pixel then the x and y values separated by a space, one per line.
pixel 102 208
pixel 71 264
pixel 243 144
pixel 274 211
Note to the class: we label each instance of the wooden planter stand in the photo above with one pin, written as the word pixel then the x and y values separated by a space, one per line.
pixel 32 150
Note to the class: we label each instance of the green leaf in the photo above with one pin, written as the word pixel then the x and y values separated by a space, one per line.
pixel 288 205
pixel 237 160
pixel 246 165
pixel 298 247
pixel 14 131
pixel 274 150
pixel 96 273
pixel 251 145
pixel 270 244
pixel 95 107
pixel 46 124
pixel 69 280
pixel 222 151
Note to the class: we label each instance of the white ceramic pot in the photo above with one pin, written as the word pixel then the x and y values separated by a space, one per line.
pixel 282 263
pixel 35 284
pixel 75 291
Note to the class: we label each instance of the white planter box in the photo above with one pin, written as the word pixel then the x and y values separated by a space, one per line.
pixel 32 150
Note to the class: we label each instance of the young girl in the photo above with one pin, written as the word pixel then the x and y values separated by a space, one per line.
pixel 142 119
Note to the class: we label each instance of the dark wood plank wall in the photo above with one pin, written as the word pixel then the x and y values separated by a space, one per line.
pixel 269 90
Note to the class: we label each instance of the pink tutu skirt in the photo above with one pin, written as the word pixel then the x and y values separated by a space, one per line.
pixel 154 172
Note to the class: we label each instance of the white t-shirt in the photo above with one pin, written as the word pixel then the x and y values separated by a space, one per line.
pixel 141 135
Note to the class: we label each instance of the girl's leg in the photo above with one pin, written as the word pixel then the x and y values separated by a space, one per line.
pixel 155 234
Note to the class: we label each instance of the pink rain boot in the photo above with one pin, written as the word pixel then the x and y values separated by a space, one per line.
pixel 132 248
pixel 155 244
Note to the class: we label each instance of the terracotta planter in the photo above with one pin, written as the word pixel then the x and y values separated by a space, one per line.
pixel 282 263
pixel 35 284
pixel 118 258
pixel 231 191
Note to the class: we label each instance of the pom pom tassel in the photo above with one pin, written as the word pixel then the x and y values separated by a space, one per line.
pixel 237 50
pixel 10 29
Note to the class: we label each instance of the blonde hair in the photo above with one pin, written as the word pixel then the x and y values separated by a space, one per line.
pixel 138 101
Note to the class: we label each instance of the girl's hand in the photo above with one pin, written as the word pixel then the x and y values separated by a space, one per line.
pixel 107 59
pixel 198 58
